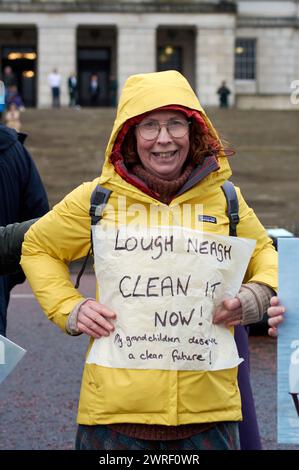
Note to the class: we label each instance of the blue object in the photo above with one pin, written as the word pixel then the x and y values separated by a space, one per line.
pixel 10 355
pixel 288 343
pixel 277 232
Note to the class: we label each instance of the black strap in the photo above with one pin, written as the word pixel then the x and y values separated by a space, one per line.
pixel 232 207
pixel 82 269
pixel 98 201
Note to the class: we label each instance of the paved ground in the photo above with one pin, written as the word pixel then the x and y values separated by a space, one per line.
pixel 38 401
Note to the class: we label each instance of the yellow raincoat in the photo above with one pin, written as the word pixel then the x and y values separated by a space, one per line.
pixel 141 396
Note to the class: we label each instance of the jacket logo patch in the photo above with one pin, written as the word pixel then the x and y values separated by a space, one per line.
pixel 207 218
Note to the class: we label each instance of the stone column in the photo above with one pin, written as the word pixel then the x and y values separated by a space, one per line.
pixel 215 49
pixel 56 49
pixel 136 51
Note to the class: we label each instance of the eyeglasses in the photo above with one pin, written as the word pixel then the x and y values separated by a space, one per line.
pixel 149 130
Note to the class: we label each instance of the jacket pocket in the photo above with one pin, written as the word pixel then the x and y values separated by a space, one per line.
pixel 208 392
pixel 128 391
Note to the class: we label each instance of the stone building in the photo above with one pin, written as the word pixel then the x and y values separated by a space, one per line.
pixel 252 45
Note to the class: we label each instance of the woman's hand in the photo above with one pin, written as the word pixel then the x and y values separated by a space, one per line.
pixel 229 313
pixel 275 312
pixel 94 319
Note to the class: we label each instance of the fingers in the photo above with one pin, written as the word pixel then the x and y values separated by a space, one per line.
pixel 274 301
pixel 229 313
pixel 273 332
pixel 275 321
pixel 276 311
pixel 232 304
pixel 276 316
pixel 95 319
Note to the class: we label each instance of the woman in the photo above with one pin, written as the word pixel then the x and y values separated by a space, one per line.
pixel 163 152
pixel 12 117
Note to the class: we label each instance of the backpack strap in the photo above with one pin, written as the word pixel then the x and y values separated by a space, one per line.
pixel 232 206
pixel 98 201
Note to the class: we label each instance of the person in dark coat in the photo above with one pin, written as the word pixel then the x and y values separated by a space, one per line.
pixel 11 239
pixel 223 92
pixel 22 197
pixel 72 85
pixel 248 428
pixel 94 90
pixel 9 78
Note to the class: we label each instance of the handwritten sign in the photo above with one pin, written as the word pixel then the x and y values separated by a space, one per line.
pixel 164 285
pixel 288 343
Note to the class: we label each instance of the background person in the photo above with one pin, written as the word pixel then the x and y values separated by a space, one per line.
pixel 13 97
pixel 11 239
pixel 8 80
pixel 9 77
pixel 223 92
pixel 94 90
pixel 54 81
pixel 22 197
pixel 72 85
pixel 163 150
pixel 13 117
pixel 2 98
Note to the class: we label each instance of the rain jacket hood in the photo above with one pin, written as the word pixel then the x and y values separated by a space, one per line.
pixel 144 93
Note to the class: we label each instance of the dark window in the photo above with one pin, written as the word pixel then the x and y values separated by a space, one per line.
pixel 169 58
pixel 100 53
pixel 245 59
pixel 22 60
pixel 93 61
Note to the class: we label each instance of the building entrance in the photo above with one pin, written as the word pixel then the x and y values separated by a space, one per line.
pixel 18 51
pixel 176 51
pixel 96 65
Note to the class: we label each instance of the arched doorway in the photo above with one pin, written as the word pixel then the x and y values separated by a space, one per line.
pixel 18 51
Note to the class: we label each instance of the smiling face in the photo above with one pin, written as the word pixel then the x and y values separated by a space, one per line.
pixel 165 155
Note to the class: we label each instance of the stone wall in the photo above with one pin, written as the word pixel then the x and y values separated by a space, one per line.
pixel 215 25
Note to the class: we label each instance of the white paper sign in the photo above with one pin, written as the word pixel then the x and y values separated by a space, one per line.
pixel 164 285
pixel 10 355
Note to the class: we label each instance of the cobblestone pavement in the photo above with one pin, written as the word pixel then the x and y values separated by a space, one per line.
pixel 38 401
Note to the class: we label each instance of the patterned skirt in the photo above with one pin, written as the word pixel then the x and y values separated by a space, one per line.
pixel 222 436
